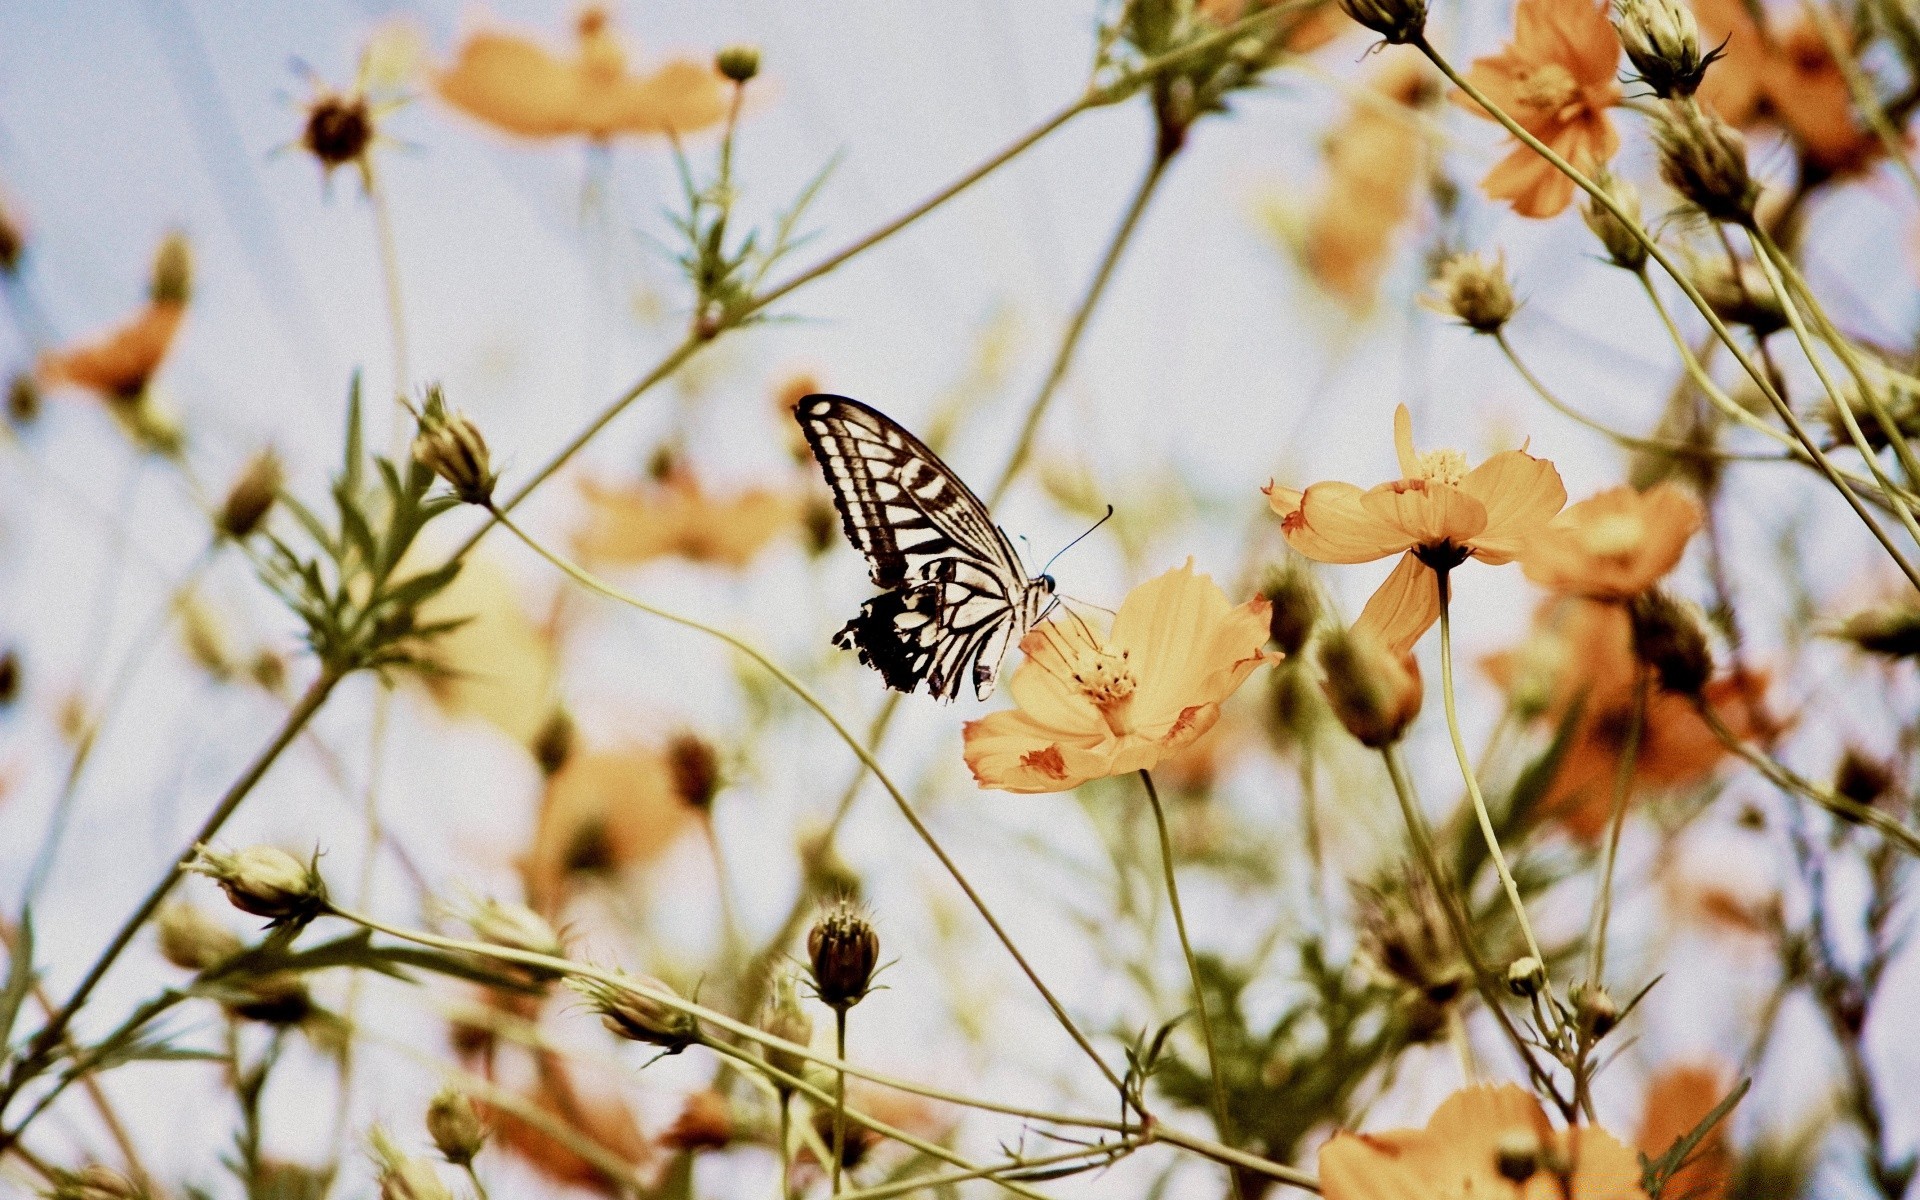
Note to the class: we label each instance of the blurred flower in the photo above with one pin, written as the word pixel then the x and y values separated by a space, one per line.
pixel 192 940
pixel 1403 933
pixel 455 1126
pixel 783 1017
pixel 1556 79
pixel 604 811
pixel 498 664
pixel 1483 1141
pixel 517 85
pixel 1678 1099
pixel 1437 514
pixel 250 498
pixel 674 516
pixel 1615 544
pixel 1784 77
pixel 1089 707
pixel 117 364
pixel 1474 290
pixel 603 1119
pixel 705 1123
pixel 95 1182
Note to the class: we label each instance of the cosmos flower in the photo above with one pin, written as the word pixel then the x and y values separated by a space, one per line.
pixel 1437 514
pixel 604 811
pixel 1556 79
pixel 1613 545
pixel 1483 1142
pixel 1089 706
pixel 1678 1099
pixel 675 516
pixel 517 85
pixel 117 364
pixel 1784 77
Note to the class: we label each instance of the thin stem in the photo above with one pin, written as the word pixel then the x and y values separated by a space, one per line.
pixel 839 1096
pixel 786 1144
pixel 1466 771
pixel 1228 1156
pixel 473 1177
pixel 362 898
pixel 1220 1111
pixel 1622 790
pixel 792 684
pixel 401 419
pixel 1070 342
pixel 939 1183
pixel 35 1057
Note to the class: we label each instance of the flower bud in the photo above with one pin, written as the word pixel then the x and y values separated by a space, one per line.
pixel 1594 1010
pixel 450 446
pixel 1295 610
pixel 1404 934
pixel 843 951
pixel 23 400
pixel 1668 635
pixel 402 1177
pixel 738 63
pixel 1526 976
pixel 1861 779
pixel 1397 21
pixel 553 745
pixel 515 926
pixel 639 1017
pixel 1739 295
pixel 338 130
pixel 9 676
pixel 695 769
pixel 265 881
pixel 1705 160
pixel 1663 42
pixel 455 1126
pixel 192 940
pixel 251 497
pixel 1374 692
pixel 1892 630
pixel 96 1182
pixel 13 241
pixel 1475 290
pixel 784 1018
pixel 1623 248
pixel 172 281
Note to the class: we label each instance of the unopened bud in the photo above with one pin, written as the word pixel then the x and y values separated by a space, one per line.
pixel 1740 295
pixel 1374 692
pixel 1398 21
pixel 455 1126
pixel 1670 636
pixel 1295 609
pixel 1526 976
pixel 13 241
pixel 785 1019
pixel 265 881
pixel 251 497
pixel 1663 41
pixel 843 951
pixel 553 745
pixel 1861 779
pixel 23 399
pixel 192 940
pixel 1595 1010
pixel 172 271
pixel 97 1182
pixel 1892 630
pixel 738 63
pixel 1623 248
pixel 1475 290
pixel 638 1017
pixel 450 445
pixel 695 769
pixel 1705 160
pixel 514 926
pixel 402 1177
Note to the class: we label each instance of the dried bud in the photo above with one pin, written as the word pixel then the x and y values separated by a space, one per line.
pixel 1740 295
pixel 639 1017
pixel 338 130
pixel 9 676
pixel 784 1018
pixel 1398 21
pixel 96 1182
pixel 1663 42
pixel 1594 1010
pixel 738 63
pixel 450 446
pixel 515 926
pixel 1526 976
pixel 402 1177
pixel 1623 248
pixel 705 1123
pixel 251 497
pixel 455 1126
pixel 1374 692
pixel 1475 291
pixel 695 768
pixel 192 940
pixel 1892 630
pixel 23 400
pixel 1517 1157
pixel 1670 636
pixel 279 999
pixel 1705 160
pixel 553 745
pixel 172 271
pixel 1295 605
pixel 1405 934
pixel 265 881
pixel 1861 779
pixel 843 951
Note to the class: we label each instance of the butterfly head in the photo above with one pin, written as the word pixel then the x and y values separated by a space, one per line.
pixel 1041 597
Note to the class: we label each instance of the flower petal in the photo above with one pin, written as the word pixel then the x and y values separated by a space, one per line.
pixel 1522 493
pixel 1188 645
pixel 1012 752
pixel 1331 525
pixel 1403 442
pixel 1427 513
pixel 1404 607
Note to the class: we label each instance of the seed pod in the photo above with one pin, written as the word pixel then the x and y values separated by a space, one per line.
pixel 192 940
pixel 279 999
pixel 265 881
pixel 1526 976
pixel 251 497
pixel 1594 1010
pixel 338 130
pixel 455 1126
pixel 1892 630
pixel 843 951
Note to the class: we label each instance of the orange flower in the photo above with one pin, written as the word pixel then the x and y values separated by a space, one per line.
pixel 1556 79
pixel 117 364
pixel 515 84
pixel 673 516
pixel 1614 545
pixel 1784 77
pixel 1678 1099
pixel 1473 1148
pixel 606 810
pixel 1437 514
pixel 1089 707
pixel 603 1118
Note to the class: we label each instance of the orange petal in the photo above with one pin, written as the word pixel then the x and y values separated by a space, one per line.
pixel 1404 607
pixel 1522 493
pixel 1534 186
pixel 1011 752
pixel 1332 525
pixel 1427 513
pixel 1403 442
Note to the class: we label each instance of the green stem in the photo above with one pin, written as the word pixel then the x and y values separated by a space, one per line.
pixel 1622 789
pixel 940 1183
pixel 839 1097
pixel 1221 1113
pixel 786 1144
pixel 473 1176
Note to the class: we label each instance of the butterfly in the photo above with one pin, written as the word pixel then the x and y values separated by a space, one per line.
pixel 956 592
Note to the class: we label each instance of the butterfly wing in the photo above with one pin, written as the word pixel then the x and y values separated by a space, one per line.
pixel 955 586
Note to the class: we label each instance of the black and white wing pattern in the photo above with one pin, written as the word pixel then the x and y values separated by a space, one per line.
pixel 957 595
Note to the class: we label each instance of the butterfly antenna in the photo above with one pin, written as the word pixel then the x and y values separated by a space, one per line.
pixel 1075 542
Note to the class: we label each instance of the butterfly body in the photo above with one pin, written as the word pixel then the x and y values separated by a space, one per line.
pixel 956 594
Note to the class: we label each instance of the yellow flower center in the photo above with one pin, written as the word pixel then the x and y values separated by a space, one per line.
pixel 1106 679
pixel 1441 466
pixel 1616 536
pixel 1548 88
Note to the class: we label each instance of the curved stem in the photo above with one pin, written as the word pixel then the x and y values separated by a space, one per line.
pixel 1221 1113
pixel 1622 790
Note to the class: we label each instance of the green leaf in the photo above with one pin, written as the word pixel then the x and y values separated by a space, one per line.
pixel 19 977
pixel 355 452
